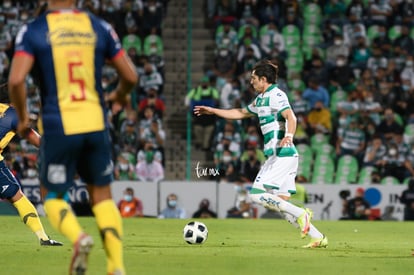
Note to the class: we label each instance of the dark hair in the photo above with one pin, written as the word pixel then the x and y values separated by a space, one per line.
pixel 265 68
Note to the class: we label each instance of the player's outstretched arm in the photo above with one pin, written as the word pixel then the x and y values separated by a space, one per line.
pixel 224 113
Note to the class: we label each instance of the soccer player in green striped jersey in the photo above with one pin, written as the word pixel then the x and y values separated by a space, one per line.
pixel 275 181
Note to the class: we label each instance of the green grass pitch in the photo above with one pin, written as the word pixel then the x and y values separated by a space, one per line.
pixel 234 246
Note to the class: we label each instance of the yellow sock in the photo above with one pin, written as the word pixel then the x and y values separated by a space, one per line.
pixel 110 225
pixel 62 218
pixel 30 217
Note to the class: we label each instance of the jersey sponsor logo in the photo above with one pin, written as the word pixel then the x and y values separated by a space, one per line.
pixel 56 173
pixel 4 188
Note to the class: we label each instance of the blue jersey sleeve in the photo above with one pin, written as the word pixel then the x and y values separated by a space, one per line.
pixel 22 43
pixel 114 46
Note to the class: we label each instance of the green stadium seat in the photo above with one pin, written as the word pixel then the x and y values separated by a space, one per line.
pixel 407 180
pixel 347 169
pixel 323 170
pixel 242 29
pixel 390 180
pixel 364 176
pixel 317 140
pixel 296 84
pixel 409 133
pixel 294 64
pixel 372 32
pixel 394 32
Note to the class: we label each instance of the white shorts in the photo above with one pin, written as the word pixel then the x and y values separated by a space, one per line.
pixel 277 175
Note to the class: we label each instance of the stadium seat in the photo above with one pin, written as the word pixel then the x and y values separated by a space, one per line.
pixel 294 64
pixel 394 32
pixel 364 176
pixel 407 180
pixel 305 160
pixel 292 36
pixel 372 32
pixel 312 14
pixel 390 180
pixel 409 133
pixel 317 140
pixel 242 29
pixel 296 84
pixel 337 96
pixel 323 170
pixel 347 169
pixel 294 51
pixel 324 149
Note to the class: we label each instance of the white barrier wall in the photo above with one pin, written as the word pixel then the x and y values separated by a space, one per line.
pixel 323 199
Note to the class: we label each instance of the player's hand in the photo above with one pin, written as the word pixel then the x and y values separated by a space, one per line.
pixel 23 128
pixel 203 110
pixel 286 142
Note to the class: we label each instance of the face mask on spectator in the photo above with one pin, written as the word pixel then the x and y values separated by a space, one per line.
pixel 128 198
pixel 392 152
pixel 123 166
pixel 172 203
pixel 152 8
pixel 226 159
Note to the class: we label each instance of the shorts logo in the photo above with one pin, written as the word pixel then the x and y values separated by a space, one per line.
pixel 4 188
pixel 56 173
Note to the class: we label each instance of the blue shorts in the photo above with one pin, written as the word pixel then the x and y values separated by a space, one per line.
pixel 8 183
pixel 86 155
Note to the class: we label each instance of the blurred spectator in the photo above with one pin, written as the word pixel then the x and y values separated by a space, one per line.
pixel 224 65
pixel 269 11
pixel 250 166
pixel 129 137
pixel 226 37
pixel 226 164
pixel 152 100
pixel 375 152
pixel 351 141
pixel 388 125
pixel 247 12
pixel 334 11
pixel 393 163
pixel 405 42
pixel 130 206
pixel 382 41
pixel 380 13
pixel 357 9
pixel 407 198
pixel 153 46
pixel 354 31
pixel 149 147
pixel 315 92
pixel 124 168
pixel 314 69
pixel 371 107
pixel 292 14
pixel 150 78
pixel 271 39
pixel 6 38
pixel 245 65
pixel 4 66
pixel 357 208
pixel 360 53
pixel 172 211
pixel 341 75
pixel 149 170
pixel 230 94
pixel 153 14
pixel 242 205
pixel 223 11
pixel 407 72
pixel 377 60
pixel 204 210
pixel 300 198
pixel 406 13
pixel 319 119
pixel 203 126
pixel 339 48
pixel 155 133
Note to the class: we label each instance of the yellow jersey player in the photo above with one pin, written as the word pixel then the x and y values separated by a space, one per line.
pixel 10 186
pixel 66 48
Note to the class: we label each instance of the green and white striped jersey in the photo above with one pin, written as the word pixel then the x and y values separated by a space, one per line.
pixel 268 106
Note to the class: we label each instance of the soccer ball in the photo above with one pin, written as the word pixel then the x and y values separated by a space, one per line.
pixel 195 232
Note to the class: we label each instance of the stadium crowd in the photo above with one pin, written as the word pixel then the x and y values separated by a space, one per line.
pixel 347 67
pixel 138 134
